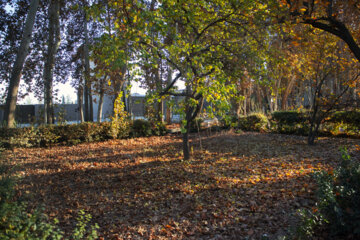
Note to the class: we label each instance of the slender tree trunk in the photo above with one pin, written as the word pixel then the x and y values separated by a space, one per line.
pixel 314 126
pixel 287 92
pixel 53 46
pixel 10 105
pixel 100 108
pixel 89 116
pixel 186 147
pixel 101 100
pixel 245 103
pixel 168 107
pixel 81 102
pixel 91 104
pixel 86 103
pixel 159 111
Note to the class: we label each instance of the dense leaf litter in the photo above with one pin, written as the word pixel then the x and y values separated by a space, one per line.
pixel 236 186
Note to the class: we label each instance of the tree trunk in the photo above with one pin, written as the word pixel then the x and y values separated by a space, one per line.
pixel 91 105
pixel 53 46
pixel 287 92
pixel 100 108
pixel 86 103
pixel 10 106
pixel 168 107
pixel 81 102
pixel 89 116
pixel 168 112
pixel 186 148
pixel 101 100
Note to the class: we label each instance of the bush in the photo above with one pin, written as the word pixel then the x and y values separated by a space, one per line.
pixel 158 128
pixel 229 122
pixel 120 125
pixel 347 117
pixel 17 137
pixel 254 122
pixel 141 128
pixel 18 223
pixel 290 122
pixel 337 210
pixel 289 117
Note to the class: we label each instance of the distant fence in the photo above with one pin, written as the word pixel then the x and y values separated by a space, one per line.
pixel 35 112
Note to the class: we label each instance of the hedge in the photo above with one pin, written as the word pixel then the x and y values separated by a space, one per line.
pixel 254 122
pixel 341 123
pixel 47 135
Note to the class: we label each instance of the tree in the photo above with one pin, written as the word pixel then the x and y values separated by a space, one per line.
pixel 329 75
pixel 111 52
pixel 10 106
pixel 200 36
pixel 52 48
pixel 340 18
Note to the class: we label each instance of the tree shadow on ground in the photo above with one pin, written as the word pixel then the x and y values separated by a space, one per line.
pixel 239 185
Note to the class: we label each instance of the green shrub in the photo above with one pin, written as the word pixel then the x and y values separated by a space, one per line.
pixel 229 122
pixel 254 122
pixel 46 135
pixel 16 222
pixel 337 209
pixel 120 124
pixel 289 117
pixel 17 137
pixel 158 128
pixel 347 117
pixel 141 128
pixel 290 122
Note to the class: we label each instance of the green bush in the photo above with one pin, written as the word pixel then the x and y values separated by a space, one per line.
pixel 145 128
pixel 158 128
pixel 17 137
pixel 337 210
pixel 16 222
pixel 229 122
pixel 46 135
pixel 347 117
pixel 120 124
pixel 289 117
pixel 254 122
pixel 290 122
pixel 141 128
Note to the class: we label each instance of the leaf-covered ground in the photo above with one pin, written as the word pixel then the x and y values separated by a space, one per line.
pixel 236 185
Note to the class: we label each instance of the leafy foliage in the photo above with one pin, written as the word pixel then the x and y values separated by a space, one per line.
pixel 158 128
pixel 337 209
pixel 348 117
pixel 48 135
pixel 254 122
pixel 144 128
pixel 289 117
pixel 16 222
pixel 141 128
pixel 120 121
pixel 290 122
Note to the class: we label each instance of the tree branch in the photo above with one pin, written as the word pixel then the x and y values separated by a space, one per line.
pixel 166 90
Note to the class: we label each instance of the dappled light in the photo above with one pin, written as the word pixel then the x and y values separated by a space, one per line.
pixel 245 184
